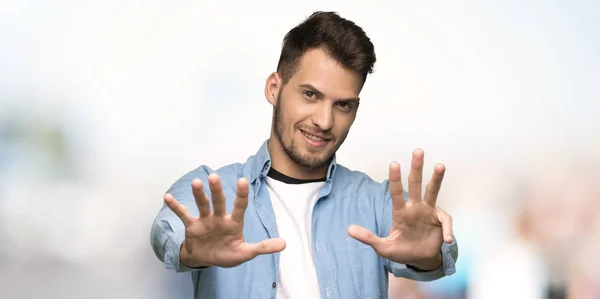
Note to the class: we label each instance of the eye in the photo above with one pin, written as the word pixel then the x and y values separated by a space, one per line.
pixel 309 94
pixel 344 106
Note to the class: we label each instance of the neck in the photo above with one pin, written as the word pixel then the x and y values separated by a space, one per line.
pixel 282 163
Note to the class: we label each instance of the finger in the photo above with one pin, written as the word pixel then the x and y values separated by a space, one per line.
pixel 201 198
pixel 365 236
pixel 267 246
pixel 396 189
pixel 446 221
pixel 179 209
pixel 241 201
pixel 415 177
pixel 217 194
pixel 433 188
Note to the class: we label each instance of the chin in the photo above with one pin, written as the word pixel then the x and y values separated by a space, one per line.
pixel 320 152
pixel 318 159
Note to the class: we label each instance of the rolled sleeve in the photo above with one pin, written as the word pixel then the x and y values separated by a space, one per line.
pixel 448 266
pixel 167 244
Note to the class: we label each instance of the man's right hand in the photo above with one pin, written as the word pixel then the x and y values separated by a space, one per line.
pixel 216 239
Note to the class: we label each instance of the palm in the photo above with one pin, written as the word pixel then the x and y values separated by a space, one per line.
pixel 223 240
pixel 415 233
pixel 217 238
pixel 416 230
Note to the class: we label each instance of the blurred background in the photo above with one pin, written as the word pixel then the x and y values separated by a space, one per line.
pixel 104 104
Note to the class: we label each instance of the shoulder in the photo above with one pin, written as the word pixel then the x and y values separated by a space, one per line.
pixel 357 181
pixel 227 174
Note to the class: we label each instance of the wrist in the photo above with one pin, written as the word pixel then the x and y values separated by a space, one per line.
pixel 428 264
pixel 186 259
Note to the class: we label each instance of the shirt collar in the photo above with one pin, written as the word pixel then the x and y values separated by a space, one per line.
pixel 260 163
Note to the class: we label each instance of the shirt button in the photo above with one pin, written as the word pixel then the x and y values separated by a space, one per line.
pixel 274 285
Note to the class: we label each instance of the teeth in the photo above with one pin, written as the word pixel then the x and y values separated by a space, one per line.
pixel 312 137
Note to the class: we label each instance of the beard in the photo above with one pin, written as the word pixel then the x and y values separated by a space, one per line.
pixel 313 159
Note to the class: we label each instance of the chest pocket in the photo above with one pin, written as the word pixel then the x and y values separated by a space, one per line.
pixel 367 269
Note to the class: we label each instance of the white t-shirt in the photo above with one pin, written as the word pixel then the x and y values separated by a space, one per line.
pixel 293 202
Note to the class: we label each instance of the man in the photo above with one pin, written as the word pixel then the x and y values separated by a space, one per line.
pixel 292 223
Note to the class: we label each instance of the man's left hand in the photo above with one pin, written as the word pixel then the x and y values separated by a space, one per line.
pixel 418 226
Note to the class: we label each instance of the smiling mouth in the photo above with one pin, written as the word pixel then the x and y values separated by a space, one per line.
pixel 313 137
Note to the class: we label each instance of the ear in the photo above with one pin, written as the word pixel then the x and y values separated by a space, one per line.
pixel 272 88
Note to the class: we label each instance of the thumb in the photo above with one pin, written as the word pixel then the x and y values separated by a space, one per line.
pixel 446 221
pixel 365 236
pixel 267 246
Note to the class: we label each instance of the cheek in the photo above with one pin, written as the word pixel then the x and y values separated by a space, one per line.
pixel 343 123
pixel 301 114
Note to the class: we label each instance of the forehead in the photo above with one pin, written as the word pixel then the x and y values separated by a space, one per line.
pixel 327 75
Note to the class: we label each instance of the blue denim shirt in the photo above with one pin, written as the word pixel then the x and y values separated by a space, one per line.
pixel 346 268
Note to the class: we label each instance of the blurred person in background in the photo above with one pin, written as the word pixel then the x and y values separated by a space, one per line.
pixel 291 222
pixel 552 252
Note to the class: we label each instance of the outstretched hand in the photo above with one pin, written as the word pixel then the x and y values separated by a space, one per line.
pixel 415 236
pixel 216 239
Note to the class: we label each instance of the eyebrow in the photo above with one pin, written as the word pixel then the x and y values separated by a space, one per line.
pixel 320 94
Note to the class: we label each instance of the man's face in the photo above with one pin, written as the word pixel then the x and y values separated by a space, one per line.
pixel 315 109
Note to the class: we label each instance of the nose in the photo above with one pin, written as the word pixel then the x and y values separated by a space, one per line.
pixel 323 116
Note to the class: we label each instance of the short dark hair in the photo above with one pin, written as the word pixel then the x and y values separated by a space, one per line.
pixel 341 39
